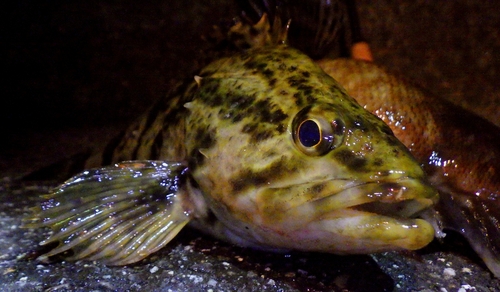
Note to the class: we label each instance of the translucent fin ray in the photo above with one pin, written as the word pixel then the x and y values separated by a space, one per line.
pixel 118 214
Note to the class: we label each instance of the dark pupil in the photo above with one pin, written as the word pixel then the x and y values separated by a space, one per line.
pixel 309 133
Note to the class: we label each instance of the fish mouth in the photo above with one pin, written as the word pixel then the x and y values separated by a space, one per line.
pixel 347 218
pixel 379 216
pixel 404 197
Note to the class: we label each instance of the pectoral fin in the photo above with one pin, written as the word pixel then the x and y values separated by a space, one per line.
pixel 118 214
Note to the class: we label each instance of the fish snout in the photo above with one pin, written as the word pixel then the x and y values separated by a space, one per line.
pixel 350 218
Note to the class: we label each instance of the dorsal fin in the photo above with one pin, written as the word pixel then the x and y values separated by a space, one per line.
pixel 318 27
pixel 245 35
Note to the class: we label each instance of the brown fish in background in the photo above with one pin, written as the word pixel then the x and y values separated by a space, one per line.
pixel 459 150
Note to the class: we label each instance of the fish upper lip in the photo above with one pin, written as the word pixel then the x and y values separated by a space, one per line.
pixel 402 197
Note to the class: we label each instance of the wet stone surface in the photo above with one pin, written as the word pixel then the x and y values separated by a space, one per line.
pixel 78 72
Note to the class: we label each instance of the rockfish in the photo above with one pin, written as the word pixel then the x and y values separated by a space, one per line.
pixel 262 149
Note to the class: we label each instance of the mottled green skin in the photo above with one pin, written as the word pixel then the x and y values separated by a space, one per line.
pixel 251 181
pixel 243 157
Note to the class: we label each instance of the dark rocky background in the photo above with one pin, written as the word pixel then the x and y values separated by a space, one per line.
pixel 75 72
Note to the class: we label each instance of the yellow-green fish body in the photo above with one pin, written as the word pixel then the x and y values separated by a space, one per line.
pixel 262 149
pixel 459 151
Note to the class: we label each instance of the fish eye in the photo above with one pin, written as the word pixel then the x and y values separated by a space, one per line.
pixel 316 136
pixel 309 133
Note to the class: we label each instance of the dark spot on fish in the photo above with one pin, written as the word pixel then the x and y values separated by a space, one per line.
pixel 335 89
pixel 241 102
pixel 249 178
pixel 232 114
pixel 306 89
pixel 306 74
pixel 298 99
pixel 378 162
pixel 277 116
pixel 205 137
pixel 281 128
pixel 268 73
pixel 209 92
pixel 261 135
pixel 249 128
pixel 358 123
pixel 256 65
pixel 257 132
pixel 237 117
pixel 263 105
pixel 242 183
pixel 310 99
pixel 351 160
pixel 317 189
pixel 215 100
pixel 272 82
pixel 392 140
pixel 295 81
pixel 384 128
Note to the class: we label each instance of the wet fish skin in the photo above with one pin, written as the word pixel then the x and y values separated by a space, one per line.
pixel 459 150
pixel 263 169
pixel 262 149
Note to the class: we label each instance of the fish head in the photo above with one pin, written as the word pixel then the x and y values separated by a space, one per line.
pixel 286 159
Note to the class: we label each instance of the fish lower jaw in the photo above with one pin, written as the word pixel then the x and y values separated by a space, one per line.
pixel 358 233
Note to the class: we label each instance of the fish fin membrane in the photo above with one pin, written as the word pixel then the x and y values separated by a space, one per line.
pixel 118 214
pixel 318 27
pixel 477 218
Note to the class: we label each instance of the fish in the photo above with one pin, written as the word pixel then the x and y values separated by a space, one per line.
pixel 458 150
pixel 261 149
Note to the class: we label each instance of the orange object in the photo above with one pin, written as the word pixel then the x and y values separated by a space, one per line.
pixel 361 51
